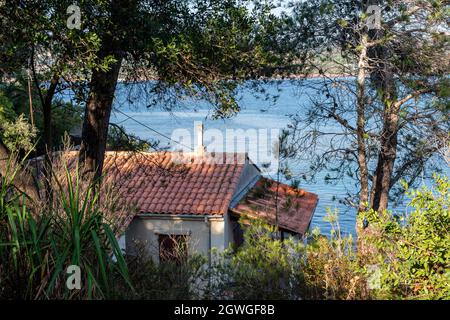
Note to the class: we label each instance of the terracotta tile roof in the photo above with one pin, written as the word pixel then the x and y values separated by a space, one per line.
pixel 295 206
pixel 170 183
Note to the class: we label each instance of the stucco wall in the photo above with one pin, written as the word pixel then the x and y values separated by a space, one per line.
pixel 203 233
pixel 247 179
pixel 228 231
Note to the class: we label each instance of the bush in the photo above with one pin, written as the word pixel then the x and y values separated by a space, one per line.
pixel 15 130
pixel 167 280
pixel 396 257
pixel 413 250
pixel 264 267
pixel 39 242
pixel 332 268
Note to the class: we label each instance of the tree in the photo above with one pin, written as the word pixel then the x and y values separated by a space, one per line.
pixel 389 99
pixel 65 115
pixel 202 49
pixel 103 85
pixel 37 41
pixel 417 243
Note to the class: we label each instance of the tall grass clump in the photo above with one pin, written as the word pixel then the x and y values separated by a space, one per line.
pixel 39 241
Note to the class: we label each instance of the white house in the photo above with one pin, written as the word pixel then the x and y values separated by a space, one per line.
pixel 197 198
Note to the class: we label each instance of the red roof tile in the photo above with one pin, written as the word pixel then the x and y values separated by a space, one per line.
pixel 167 183
pixel 295 206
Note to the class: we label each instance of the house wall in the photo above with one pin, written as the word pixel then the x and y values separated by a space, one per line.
pixel 247 179
pixel 228 231
pixel 204 233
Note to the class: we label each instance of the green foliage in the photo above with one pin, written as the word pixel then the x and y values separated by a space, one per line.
pixel 197 49
pixel 18 135
pixel 120 140
pixel 333 269
pixel 206 55
pixel 417 245
pixel 17 132
pixel 414 59
pixel 41 27
pixel 264 267
pixel 6 109
pixel 165 280
pixel 397 257
pixel 38 243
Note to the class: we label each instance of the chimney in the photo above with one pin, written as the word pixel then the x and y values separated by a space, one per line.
pixel 200 150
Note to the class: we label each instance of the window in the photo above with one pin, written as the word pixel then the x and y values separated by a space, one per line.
pixel 173 248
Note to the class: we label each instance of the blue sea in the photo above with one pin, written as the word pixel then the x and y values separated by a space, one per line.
pixel 134 111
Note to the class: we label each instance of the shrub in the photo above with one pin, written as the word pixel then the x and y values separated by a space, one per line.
pixel 38 243
pixel 413 250
pixel 18 134
pixel 332 268
pixel 173 279
pixel 396 257
pixel 264 267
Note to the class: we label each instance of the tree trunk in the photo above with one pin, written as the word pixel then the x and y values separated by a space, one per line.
pixel 381 182
pixel 46 102
pixel 360 129
pixel 98 111
pixel 47 111
pixel 48 136
pixel 383 77
pixel 96 119
pixel 102 88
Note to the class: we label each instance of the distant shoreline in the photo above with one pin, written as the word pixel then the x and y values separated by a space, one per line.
pixel 315 75
pixel 290 77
